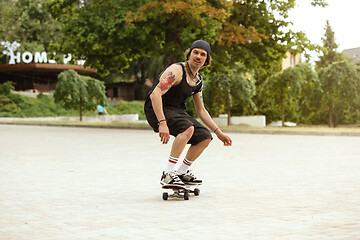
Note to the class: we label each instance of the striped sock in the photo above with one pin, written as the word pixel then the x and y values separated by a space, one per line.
pixel 171 164
pixel 184 166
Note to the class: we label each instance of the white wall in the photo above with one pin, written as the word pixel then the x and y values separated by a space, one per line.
pixel 251 121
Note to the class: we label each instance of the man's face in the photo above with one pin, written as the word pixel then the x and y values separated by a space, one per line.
pixel 197 57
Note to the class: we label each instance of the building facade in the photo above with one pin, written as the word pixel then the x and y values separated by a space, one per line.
pixel 292 58
pixel 353 54
pixel 38 77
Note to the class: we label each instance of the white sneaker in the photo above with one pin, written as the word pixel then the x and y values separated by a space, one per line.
pixel 171 178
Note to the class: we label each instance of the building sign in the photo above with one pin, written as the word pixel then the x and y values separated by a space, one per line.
pixel 28 57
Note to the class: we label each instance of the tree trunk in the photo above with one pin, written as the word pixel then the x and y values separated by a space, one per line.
pixel 282 111
pixel 80 110
pixel 228 109
pixel 330 113
pixel 140 80
pixel 173 33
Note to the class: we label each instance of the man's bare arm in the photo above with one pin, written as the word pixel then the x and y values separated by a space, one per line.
pixel 206 118
pixel 169 78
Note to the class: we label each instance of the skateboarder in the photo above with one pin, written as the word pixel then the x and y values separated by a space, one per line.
pixel 165 112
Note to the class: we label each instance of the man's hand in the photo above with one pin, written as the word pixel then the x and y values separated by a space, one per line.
pixel 164 133
pixel 224 138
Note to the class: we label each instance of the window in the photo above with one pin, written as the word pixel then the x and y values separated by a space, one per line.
pixel 292 60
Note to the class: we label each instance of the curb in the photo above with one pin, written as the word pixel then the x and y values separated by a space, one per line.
pixel 296 132
pixel 77 125
pixel 241 131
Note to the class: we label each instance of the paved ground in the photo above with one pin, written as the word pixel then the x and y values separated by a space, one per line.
pixel 86 183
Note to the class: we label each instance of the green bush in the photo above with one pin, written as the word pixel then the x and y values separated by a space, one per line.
pixel 125 107
pixel 5 88
pixel 15 105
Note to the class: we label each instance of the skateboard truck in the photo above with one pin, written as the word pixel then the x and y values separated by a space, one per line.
pixel 179 191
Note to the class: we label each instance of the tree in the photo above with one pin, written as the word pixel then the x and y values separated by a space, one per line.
pixel 308 104
pixel 114 35
pixel 227 89
pixel 340 82
pixel 284 86
pixel 110 34
pixel 74 91
pixel 7 19
pixel 226 25
pixel 330 55
pixel 97 33
pixel 178 23
pixel 29 23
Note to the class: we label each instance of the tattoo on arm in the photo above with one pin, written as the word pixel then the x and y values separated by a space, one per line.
pixel 166 82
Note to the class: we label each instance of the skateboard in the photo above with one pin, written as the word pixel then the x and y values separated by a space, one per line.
pixel 180 191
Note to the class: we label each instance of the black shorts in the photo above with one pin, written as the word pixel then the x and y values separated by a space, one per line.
pixel 178 121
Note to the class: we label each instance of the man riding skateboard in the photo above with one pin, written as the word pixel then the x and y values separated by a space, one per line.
pixel 166 113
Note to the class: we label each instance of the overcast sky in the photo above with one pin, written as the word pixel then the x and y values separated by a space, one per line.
pixel 343 17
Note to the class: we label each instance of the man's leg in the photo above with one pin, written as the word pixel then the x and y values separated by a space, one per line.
pixel 169 176
pixel 195 150
pixel 178 147
pixel 192 154
pixel 180 142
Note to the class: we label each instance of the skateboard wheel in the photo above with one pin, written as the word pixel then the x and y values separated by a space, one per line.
pixel 186 196
pixel 196 192
pixel 165 196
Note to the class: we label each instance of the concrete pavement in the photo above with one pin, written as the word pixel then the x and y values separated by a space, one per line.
pixel 88 183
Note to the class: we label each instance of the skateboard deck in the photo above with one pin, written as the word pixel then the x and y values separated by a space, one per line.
pixel 180 191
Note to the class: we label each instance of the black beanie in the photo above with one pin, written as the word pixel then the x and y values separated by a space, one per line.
pixel 201 44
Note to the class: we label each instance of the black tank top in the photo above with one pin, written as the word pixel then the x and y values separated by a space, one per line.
pixel 176 96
